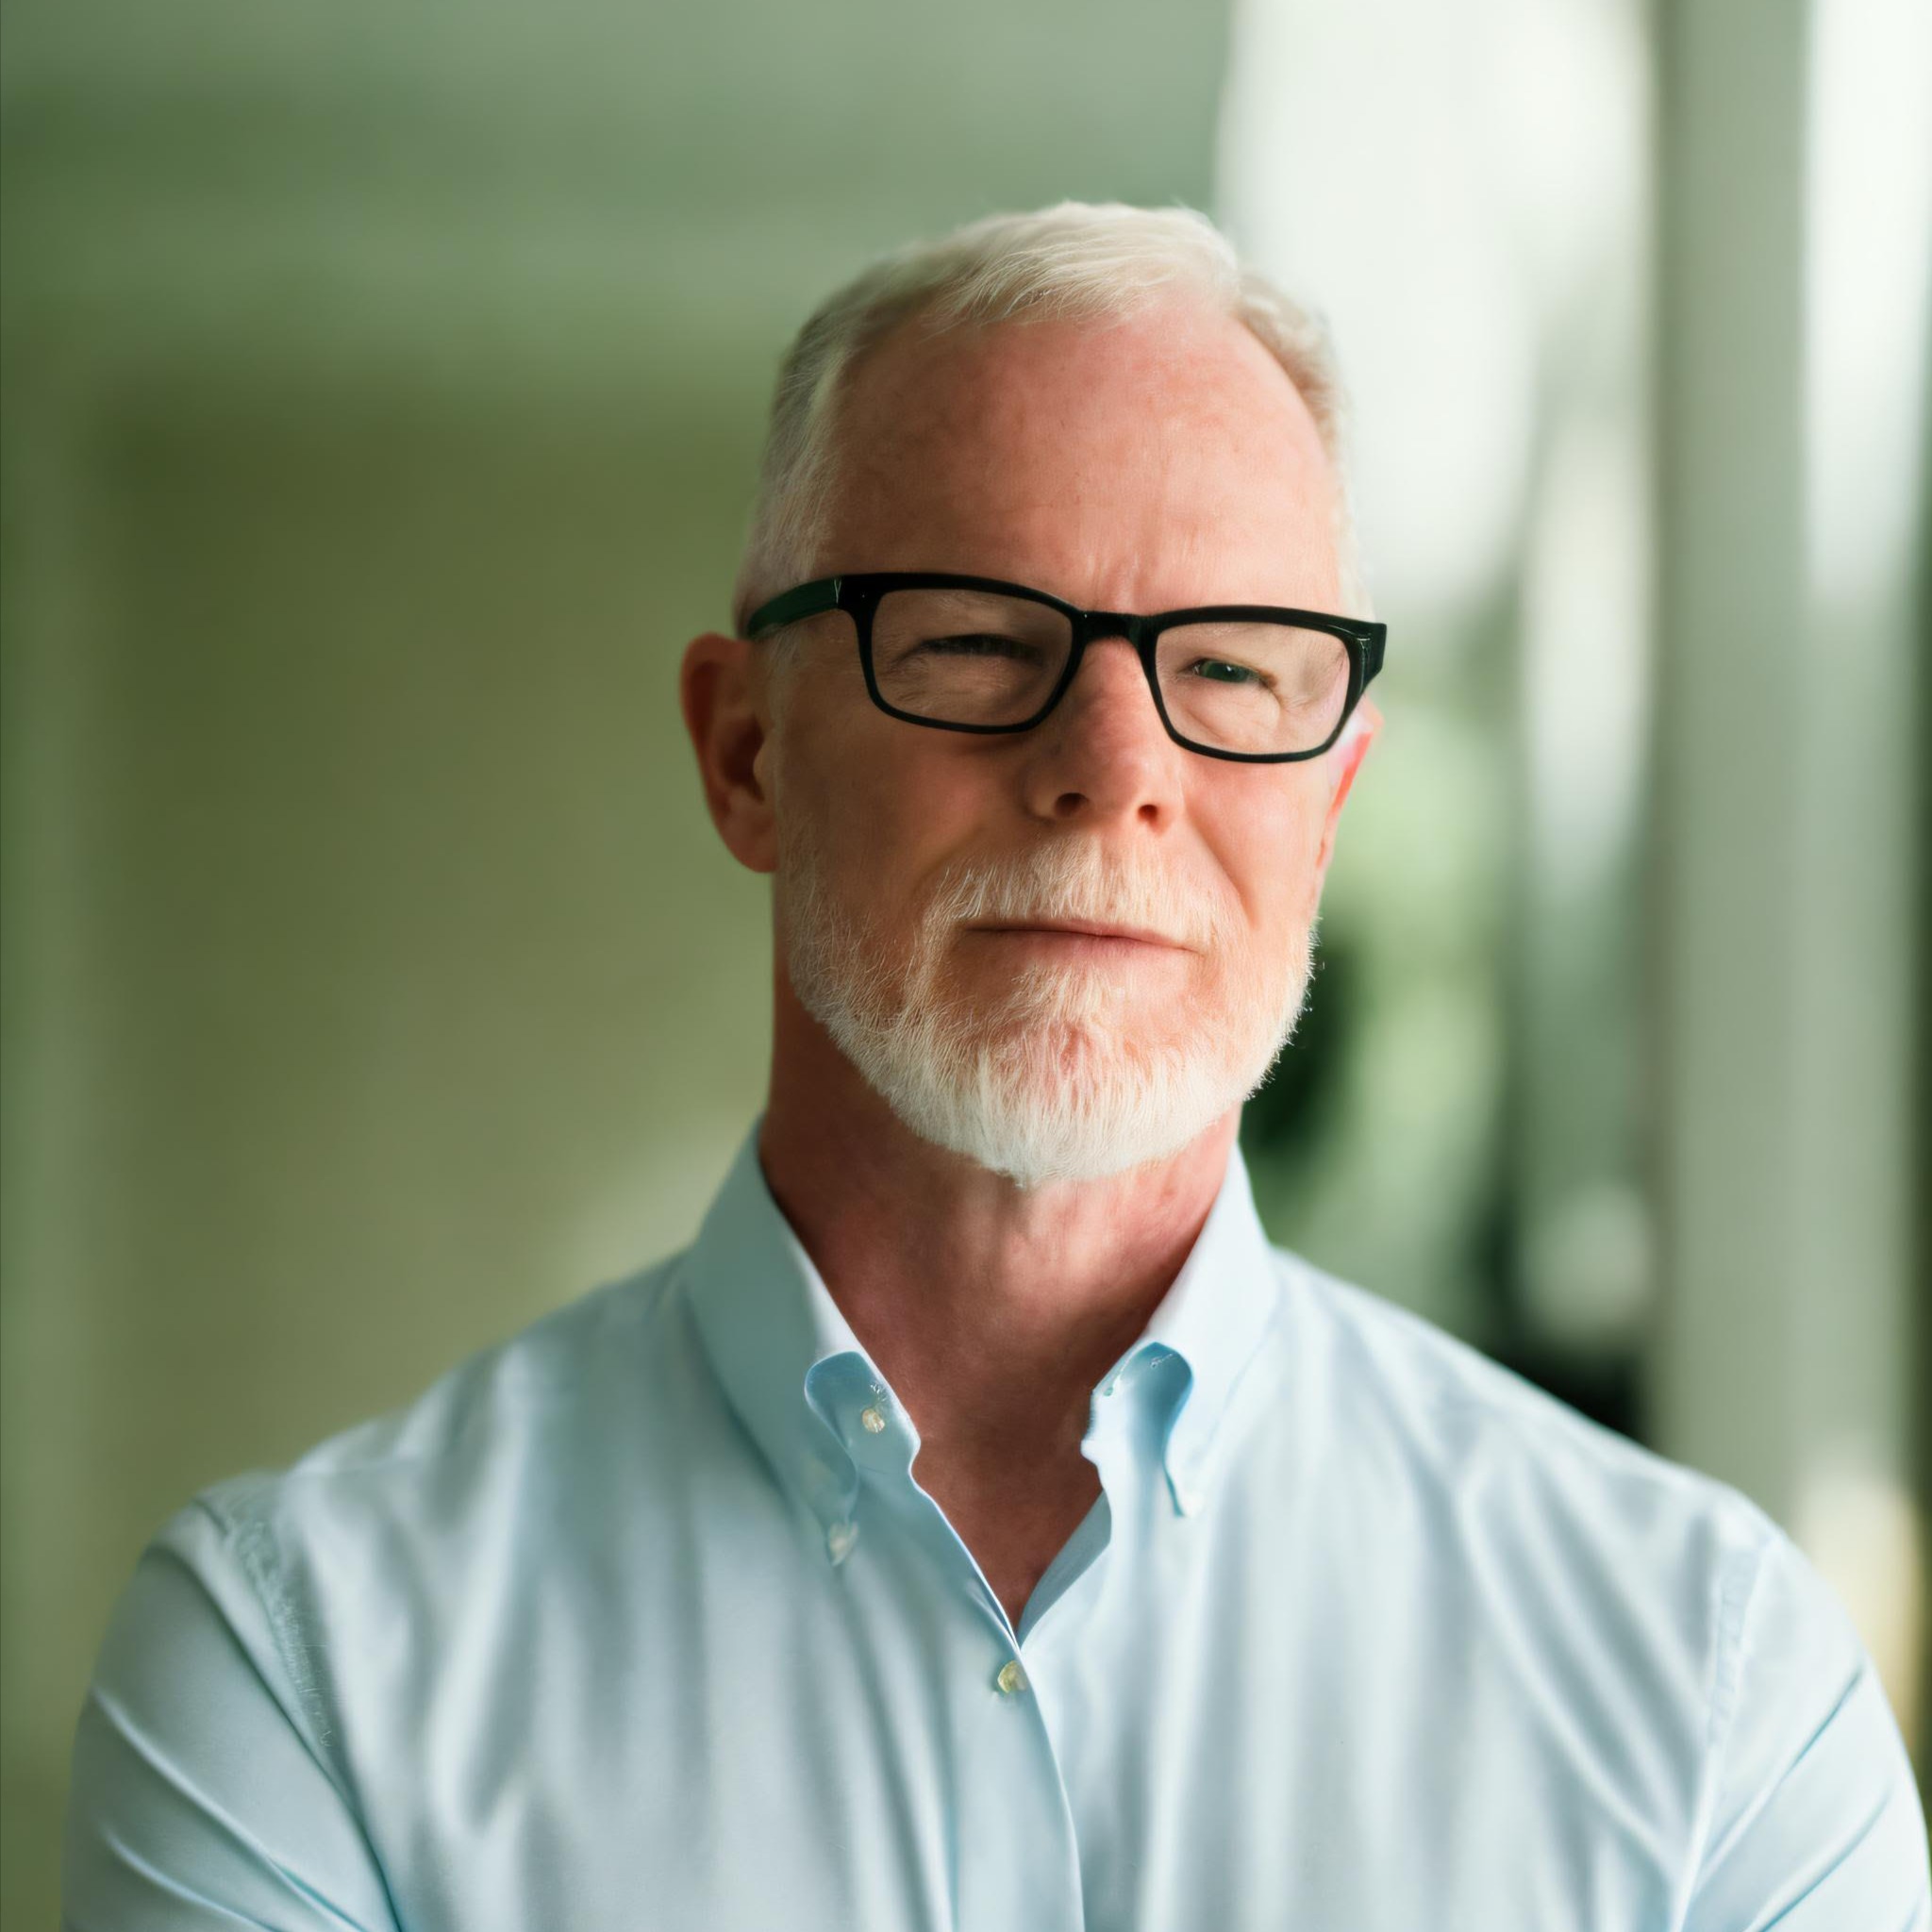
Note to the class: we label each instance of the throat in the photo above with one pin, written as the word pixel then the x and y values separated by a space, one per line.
pixel 1015 1521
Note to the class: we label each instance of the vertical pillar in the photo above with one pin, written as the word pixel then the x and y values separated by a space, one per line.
pixel 1795 301
pixel 1724 831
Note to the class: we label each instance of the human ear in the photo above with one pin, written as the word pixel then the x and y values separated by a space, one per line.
pixel 730 725
pixel 1348 755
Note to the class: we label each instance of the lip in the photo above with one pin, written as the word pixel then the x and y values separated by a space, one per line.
pixel 1089 929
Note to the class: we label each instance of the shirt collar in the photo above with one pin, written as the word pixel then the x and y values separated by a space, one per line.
pixel 801 1381
pixel 1214 1316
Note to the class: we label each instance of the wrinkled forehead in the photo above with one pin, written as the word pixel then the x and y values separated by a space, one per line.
pixel 1167 456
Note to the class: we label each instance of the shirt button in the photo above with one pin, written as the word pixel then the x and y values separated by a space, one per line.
pixel 1011 1678
pixel 873 1420
pixel 840 1539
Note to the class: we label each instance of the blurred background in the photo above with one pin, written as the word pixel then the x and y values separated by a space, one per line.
pixel 382 395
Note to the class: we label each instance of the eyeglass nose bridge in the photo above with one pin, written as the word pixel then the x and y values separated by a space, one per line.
pixel 1095 624
pixel 1096 627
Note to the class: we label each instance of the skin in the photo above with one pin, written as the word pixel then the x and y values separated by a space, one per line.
pixel 1027 452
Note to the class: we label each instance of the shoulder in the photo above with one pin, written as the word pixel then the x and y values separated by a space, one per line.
pixel 379 1541
pixel 1562 1548
pixel 556 1377
pixel 1473 1432
pixel 1609 1580
pixel 1670 1642
pixel 481 1455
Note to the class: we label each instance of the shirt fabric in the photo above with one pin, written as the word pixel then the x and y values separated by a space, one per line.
pixel 641 1619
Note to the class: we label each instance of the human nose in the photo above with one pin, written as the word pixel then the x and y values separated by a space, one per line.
pixel 1103 753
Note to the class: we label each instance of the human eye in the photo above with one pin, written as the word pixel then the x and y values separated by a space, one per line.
pixel 981 644
pixel 1227 670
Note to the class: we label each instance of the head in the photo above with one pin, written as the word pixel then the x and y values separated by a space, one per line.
pixel 1100 403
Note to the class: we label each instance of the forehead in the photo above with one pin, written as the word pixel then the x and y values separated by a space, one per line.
pixel 1146 463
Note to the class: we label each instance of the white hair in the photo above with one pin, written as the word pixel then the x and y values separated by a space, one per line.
pixel 1074 260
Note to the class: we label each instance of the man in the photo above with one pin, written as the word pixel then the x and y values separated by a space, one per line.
pixel 981 1526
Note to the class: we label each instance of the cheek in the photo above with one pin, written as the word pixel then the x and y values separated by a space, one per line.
pixel 884 809
pixel 1268 837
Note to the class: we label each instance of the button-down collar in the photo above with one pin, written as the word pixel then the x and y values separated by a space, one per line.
pixel 821 1411
pixel 1213 1317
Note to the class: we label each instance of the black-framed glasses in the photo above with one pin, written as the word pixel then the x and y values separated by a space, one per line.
pixel 1254 682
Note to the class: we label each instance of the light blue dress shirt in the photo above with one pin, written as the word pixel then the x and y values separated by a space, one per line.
pixel 642 1620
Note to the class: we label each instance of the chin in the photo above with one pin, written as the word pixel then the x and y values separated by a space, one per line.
pixel 1073 1002
pixel 1058 1100
pixel 1067 1063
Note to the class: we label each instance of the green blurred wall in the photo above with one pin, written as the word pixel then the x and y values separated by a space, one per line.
pixel 382 394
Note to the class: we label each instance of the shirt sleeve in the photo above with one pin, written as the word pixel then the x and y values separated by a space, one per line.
pixel 200 1797
pixel 1814 1823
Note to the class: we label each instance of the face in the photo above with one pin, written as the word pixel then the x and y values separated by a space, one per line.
pixel 1072 950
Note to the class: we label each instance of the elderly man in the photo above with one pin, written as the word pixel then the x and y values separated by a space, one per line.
pixel 981 1526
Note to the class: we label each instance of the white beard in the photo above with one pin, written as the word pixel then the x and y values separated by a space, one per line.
pixel 1052 1080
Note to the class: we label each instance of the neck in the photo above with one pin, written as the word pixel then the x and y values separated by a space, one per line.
pixel 992 1309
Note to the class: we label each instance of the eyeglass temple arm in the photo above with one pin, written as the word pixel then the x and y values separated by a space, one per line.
pixel 808 600
pixel 1374 637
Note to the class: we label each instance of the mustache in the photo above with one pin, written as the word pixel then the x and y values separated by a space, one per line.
pixel 1078 882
